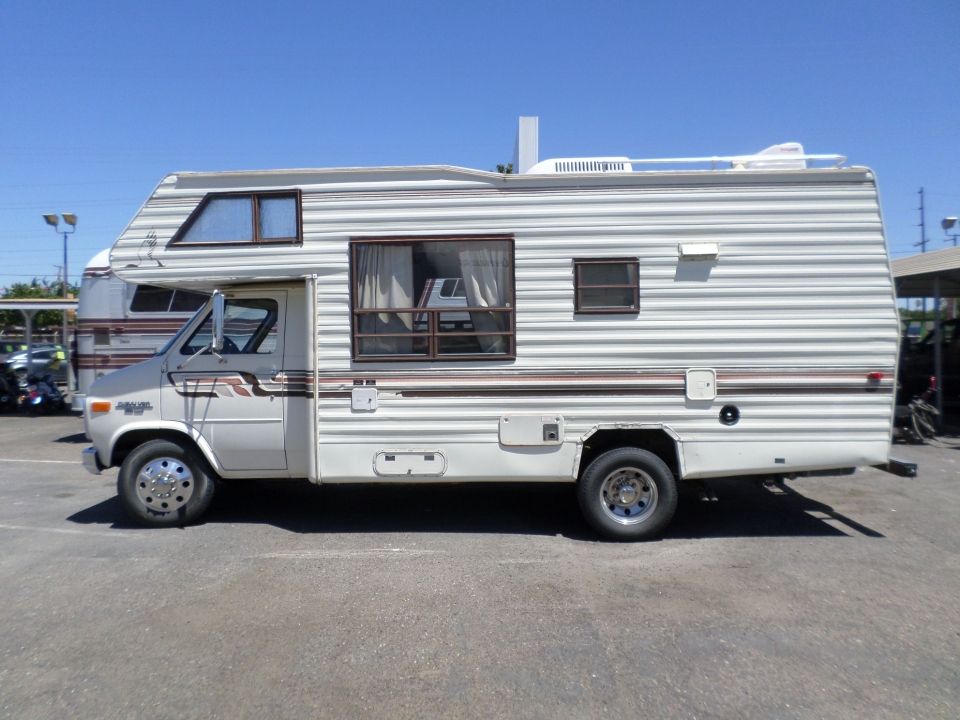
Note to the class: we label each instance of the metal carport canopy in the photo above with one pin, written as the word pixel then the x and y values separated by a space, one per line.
pixel 38 304
pixel 934 274
pixel 914 275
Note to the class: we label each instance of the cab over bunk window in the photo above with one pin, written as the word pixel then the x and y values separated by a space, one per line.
pixel 606 285
pixel 269 217
pixel 450 299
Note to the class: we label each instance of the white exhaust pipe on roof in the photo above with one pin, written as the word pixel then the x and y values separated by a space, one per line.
pixel 526 151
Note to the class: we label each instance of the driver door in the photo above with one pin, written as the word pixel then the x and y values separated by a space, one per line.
pixel 234 401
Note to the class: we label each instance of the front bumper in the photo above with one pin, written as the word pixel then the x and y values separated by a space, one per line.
pixel 90 460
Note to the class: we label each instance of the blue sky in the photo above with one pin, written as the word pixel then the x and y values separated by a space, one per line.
pixel 99 100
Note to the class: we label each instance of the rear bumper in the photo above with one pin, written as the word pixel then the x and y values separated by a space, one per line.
pixel 896 466
pixel 90 461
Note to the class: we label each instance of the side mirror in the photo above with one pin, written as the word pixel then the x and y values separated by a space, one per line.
pixel 219 303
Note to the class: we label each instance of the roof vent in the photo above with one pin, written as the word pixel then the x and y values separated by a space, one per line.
pixel 786 156
pixel 582 165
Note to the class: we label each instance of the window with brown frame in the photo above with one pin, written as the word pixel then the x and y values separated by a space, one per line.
pixel 433 298
pixel 263 217
pixel 606 285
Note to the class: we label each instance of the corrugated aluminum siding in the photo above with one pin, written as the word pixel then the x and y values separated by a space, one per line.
pixel 802 287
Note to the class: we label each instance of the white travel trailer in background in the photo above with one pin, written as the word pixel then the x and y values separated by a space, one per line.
pixel 121 324
pixel 620 329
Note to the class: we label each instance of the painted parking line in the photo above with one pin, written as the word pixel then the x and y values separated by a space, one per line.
pixel 66 531
pixel 57 462
pixel 348 554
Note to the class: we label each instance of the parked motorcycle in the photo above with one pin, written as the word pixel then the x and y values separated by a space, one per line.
pixel 39 394
pixel 9 387
pixel 9 392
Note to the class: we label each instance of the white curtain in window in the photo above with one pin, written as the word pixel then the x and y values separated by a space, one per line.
pixel 486 276
pixel 385 280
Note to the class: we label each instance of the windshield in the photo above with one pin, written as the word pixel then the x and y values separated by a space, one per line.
pixel 188 323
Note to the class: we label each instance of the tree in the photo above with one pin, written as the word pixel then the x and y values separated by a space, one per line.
pixel 36 289
pixel 505 169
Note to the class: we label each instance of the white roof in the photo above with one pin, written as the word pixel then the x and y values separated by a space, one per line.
pixel 38 304
pixel 914 274
pixel 99 261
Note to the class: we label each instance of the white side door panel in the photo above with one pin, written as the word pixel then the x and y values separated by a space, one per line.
pixel 236 403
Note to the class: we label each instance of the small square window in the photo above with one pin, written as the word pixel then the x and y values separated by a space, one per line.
pixel 607 285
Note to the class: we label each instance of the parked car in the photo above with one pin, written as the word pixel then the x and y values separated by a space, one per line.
pixel 8 347
pixel 48 358
pixel 917 365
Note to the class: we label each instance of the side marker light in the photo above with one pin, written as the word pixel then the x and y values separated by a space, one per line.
pixel 100 407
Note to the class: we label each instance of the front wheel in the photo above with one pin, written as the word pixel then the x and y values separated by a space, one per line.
pixel 628 494
pixel 162 484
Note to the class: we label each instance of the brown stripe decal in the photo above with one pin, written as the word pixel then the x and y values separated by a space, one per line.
pixel 641 384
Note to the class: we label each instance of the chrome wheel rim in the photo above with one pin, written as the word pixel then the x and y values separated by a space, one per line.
pixel 165 484
pixel 628 496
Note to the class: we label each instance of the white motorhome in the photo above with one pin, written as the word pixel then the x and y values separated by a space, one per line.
pixel 622 329
pixel 121 324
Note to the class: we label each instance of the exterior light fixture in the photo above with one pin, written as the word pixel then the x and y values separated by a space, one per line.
pixel 947 223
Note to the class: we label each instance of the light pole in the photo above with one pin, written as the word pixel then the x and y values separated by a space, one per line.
pixel 54 221
pixel 946 224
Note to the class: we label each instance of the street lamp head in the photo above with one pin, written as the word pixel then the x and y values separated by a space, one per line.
pixel 948 223
pixel 52 220
pixel 71 219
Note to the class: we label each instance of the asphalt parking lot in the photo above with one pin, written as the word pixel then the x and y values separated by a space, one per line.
pixel 823 597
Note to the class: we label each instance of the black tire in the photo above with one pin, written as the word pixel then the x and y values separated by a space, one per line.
pixel 640 499
pixel 176 468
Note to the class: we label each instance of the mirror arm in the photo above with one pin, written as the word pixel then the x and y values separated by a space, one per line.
pixel 186 362
pixel 209 347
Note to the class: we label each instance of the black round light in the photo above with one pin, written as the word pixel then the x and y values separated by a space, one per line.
pixel 729 414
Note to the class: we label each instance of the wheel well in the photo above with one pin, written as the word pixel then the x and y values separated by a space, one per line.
pixel 653 440
pixel 128 442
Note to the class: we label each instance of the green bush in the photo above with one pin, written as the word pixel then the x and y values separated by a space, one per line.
pixel 36 289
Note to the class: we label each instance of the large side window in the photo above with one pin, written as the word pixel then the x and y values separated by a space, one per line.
pixel 268 217
pixel 433 299
pixel 150 299
pixel 147 298
pixel 606 285
pixel 187 302
pixel 249 327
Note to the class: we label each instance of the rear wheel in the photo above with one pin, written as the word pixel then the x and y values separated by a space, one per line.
pixel 163 484
pixel 628 494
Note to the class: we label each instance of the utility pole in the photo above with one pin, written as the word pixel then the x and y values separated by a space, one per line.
pixel 923 248
pixel 923 226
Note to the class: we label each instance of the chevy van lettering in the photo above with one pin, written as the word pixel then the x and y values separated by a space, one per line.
pixel 134 408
